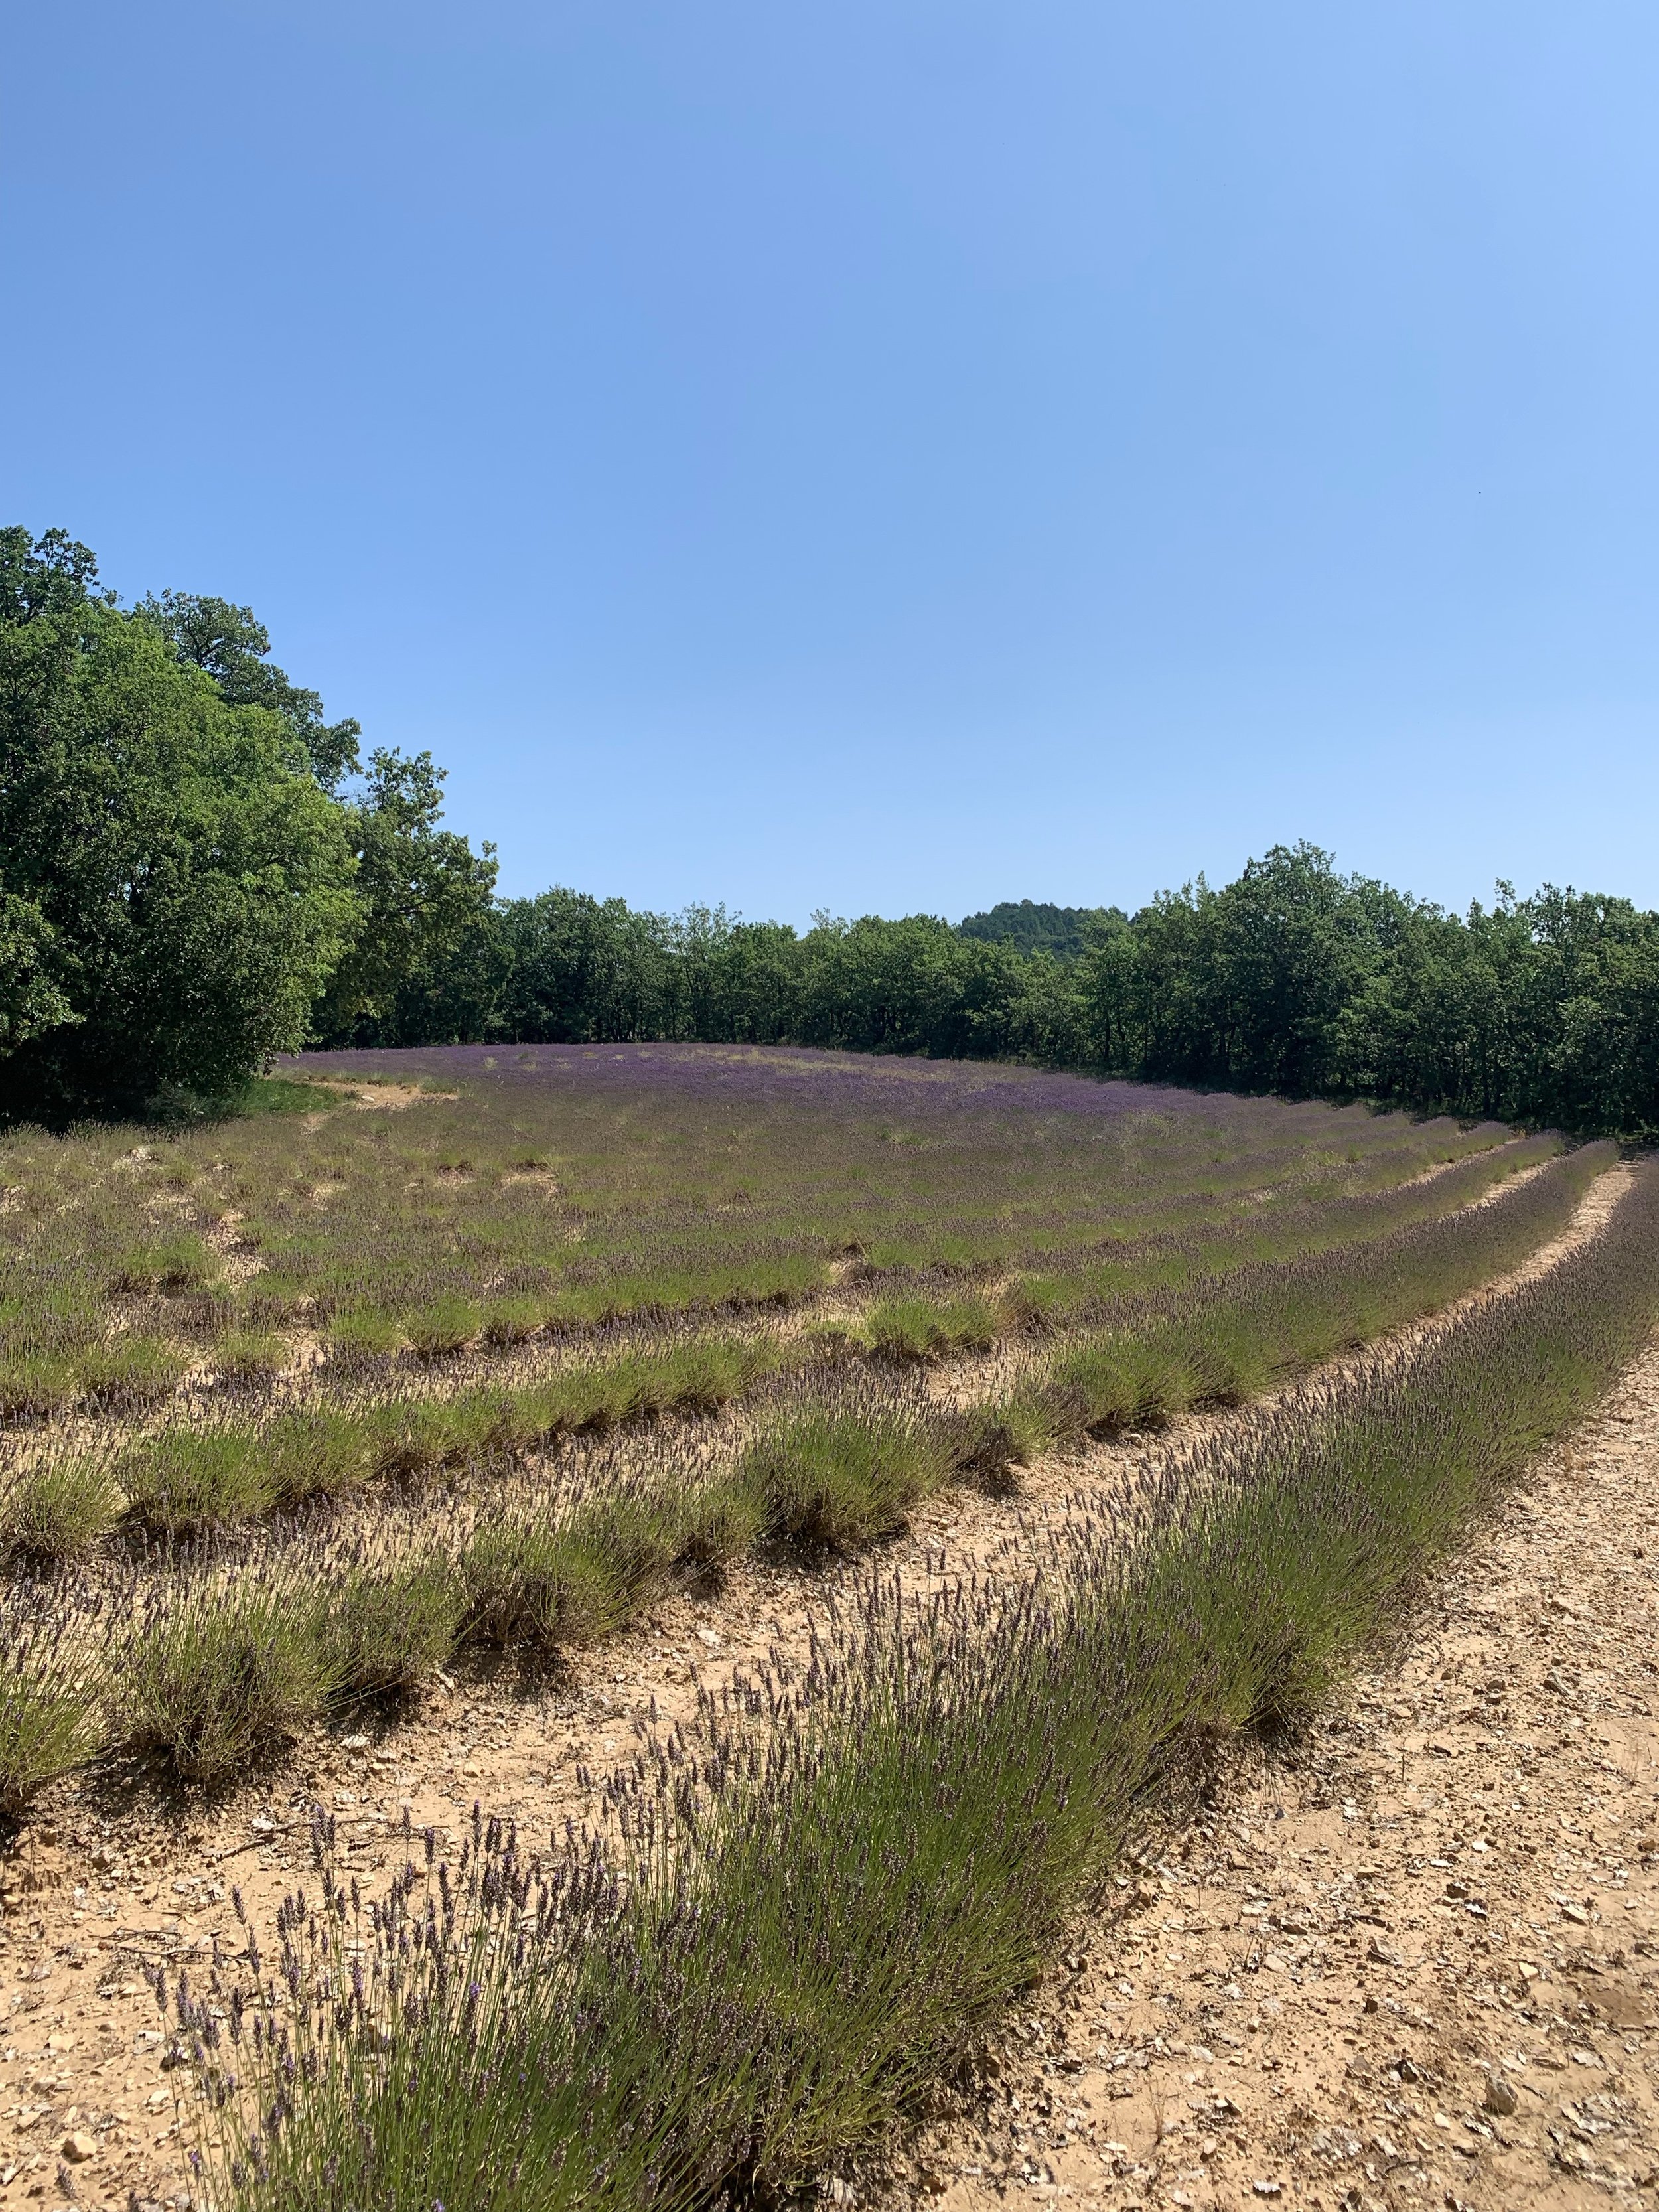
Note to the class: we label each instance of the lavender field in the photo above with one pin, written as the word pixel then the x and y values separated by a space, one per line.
pixel 458 1359
pixel 463 1350
pixel 545 1192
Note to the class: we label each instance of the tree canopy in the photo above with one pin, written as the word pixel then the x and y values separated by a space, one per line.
pixel 429 960
pixel 197 871
pixel 177 885
pixel 1293 978
pixel 233 647
pixel 1034 925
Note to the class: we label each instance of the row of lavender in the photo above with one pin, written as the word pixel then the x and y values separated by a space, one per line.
pixel 795 1919
pixel 547 1194
pixel 213 1656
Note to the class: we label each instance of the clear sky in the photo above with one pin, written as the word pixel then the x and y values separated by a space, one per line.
pixel 885 455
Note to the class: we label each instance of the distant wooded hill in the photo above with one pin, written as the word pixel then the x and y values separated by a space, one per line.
pixel 1034 925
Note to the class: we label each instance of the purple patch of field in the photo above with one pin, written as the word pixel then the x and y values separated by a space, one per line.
pixel 856 1083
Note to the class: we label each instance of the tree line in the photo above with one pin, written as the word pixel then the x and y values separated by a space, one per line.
pixel 197 870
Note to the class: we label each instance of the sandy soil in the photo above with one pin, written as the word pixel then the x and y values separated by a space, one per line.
pixel 1414 1962
pixel 113 1872
pixel 389 1097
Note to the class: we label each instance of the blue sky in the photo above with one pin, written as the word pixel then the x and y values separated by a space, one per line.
pixel 884 456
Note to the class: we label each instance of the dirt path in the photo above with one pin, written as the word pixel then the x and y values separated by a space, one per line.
pixel 1418 1962
pixel 384 1098
pixel 110 1876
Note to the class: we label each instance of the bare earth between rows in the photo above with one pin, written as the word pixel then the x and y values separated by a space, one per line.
pixel 841 1301
pixel 107 1875
pixel 545 1480
pixel 1417 1963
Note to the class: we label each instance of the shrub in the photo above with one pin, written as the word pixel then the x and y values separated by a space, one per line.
pixel 525 1584
pixel 1122 1382
pixel 707 1373
pixel 389 1630
pixel 61 1509
pixel 37 1383
pixel 250 1356
pixel 992 1440
pixel 570 1582
pixel 720 1523
pixel 366 1333
pixel 172 1263
pixel 514 1320
pixel 314 1452
pixel 184 1481
pixel 926 1328
pixel 415 1437
pixel 834 1477
pixel 447 1325
pixel 222 1674
pixel 49 1716
pixel 132 1371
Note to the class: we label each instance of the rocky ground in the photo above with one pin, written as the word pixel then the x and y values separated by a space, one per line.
pixel 1413 1961
pixel 1408 1964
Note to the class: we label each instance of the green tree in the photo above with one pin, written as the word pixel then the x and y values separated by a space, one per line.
pixel 758 974
pixel 46 576
pixel 177 884
pixel 233 647
pixel 585 970
pixel 430 958
pixel 1034 925
pixel 32 1000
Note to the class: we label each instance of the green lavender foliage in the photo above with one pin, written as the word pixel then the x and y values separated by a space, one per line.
pixel 220 1672
pixel 813 1906
pixel 52 1706
pixel 386 1630
pixel 207 1465
pixel 227 1644
pixel 830 1478
pixel 61 1510
pixel 1225 1342
pixel 542 1202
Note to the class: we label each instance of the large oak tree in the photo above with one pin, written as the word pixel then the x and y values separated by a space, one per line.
pixel 176 885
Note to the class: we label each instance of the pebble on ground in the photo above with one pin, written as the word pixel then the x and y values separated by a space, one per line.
pixel 1414 1962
